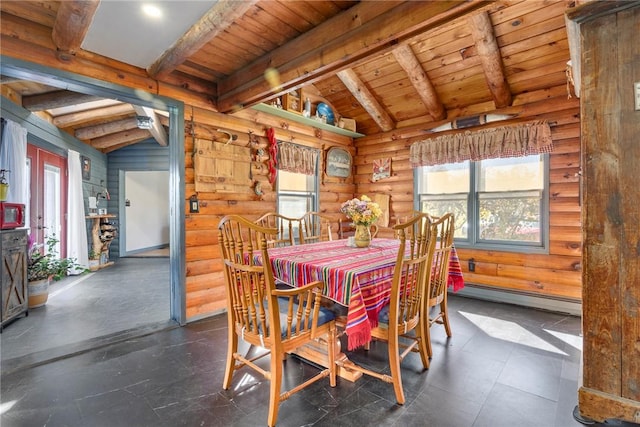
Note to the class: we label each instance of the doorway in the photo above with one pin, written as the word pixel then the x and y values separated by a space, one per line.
pixel 146 219
pixel 47 197
pixel 175 272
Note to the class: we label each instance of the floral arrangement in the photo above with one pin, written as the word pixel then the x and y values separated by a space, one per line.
pixel 361 211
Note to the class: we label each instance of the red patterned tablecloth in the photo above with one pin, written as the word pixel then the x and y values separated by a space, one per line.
pixel 358 278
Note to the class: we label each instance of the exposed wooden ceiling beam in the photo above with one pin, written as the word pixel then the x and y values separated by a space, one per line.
pixel 329 48
pixel 92 132
pixel 366 99
pixel 122 145
pixel 131 135
pixel 219 17
pixel 72 23
pixel 57 99
pixel 420 81
pixel 73 119
pixel 157 131
pixel 490 58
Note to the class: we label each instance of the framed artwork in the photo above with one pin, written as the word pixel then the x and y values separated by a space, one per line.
pixel 86 168
pixel 381 169
pixel 338 162
pixel 293 101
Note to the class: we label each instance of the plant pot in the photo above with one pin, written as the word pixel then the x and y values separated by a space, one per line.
pixel 38 292
pixel 94 264
pixel 362 236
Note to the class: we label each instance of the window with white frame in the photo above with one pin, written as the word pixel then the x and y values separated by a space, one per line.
pixel 297 193
pixel 496 202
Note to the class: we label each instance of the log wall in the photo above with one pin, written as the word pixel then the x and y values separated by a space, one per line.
pixel 556 274
pixel 205 279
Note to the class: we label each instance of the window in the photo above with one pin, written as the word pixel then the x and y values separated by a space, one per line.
pixel 296 193
pixel 497 203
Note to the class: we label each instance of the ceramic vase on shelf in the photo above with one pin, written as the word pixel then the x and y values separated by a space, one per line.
pixel 362 236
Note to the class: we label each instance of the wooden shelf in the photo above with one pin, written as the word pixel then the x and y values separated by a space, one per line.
pixel 305 120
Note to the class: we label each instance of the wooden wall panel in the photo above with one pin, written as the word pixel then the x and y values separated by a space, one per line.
pixel 205 278
pixel 611 295
pixel 556 274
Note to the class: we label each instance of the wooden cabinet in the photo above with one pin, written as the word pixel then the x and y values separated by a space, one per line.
pixel 13 249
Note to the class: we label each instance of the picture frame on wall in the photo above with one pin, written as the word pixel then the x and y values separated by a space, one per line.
pixel 86 168
pixel 339 162
pixel 292 101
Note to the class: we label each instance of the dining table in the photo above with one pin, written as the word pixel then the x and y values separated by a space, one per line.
pixel 356 278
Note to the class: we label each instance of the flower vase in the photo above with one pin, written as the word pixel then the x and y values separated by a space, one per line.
pixel 362 236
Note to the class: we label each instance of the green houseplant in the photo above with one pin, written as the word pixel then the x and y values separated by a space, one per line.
pixel 44 266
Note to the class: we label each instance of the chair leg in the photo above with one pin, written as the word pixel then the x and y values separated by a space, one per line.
pixel 274 388
pixel 427 334
pixel 445 315
pixel 232 348
pixel 423 342
pixel 394 365
pixel 331 344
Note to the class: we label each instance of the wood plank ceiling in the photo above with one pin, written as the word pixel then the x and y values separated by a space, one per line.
pixel 388 65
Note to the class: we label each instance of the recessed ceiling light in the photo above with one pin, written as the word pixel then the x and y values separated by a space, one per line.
pixel 151 10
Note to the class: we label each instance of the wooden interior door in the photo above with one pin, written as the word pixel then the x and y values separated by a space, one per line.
pixel 48 196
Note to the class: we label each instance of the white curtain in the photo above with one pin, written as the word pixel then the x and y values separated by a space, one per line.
pixel 13 157
pixel 76 223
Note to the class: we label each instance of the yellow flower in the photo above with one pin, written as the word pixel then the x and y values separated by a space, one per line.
pixel 361 211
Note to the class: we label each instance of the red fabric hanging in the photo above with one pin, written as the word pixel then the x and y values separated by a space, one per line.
pixel 273 155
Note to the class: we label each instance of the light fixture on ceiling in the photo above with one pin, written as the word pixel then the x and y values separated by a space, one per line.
pixel 144 122
pixel 152 10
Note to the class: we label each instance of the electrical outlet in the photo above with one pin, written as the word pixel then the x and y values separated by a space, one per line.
pixel 472 265
pixel 636 92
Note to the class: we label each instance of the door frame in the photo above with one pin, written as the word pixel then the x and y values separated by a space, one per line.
pixel 29 71
pixel 39 157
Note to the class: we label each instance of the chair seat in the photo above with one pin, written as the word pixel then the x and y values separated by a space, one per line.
pixel 324 316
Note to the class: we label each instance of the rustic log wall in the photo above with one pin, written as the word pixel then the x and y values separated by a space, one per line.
pixel 205 279
pixel 557 274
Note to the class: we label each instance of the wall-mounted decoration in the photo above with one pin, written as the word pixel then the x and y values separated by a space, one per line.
pixel 293 101
pixel 222 168
pixel 338 162
pixel 381 169
pixel 86 168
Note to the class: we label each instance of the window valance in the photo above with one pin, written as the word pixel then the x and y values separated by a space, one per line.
pixel 504 141
pixel 297 158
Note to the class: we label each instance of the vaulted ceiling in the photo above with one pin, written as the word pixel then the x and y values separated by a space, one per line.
pixel 386 64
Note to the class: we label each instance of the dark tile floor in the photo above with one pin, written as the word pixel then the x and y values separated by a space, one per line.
pixel 74 363
pixel 130 297
pixel 505 366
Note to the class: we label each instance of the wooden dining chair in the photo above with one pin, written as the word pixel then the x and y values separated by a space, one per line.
pixel 399 322
pixel 405 217
pixel 288 229
pixel 436 298
pixel 317 227
pixel 278 321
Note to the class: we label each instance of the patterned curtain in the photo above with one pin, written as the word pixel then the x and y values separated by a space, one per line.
pixel 297 158
pixel 504 141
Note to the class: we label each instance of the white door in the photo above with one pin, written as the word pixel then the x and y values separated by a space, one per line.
pixel 146 210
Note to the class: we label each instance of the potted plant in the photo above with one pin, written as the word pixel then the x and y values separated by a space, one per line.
pixel 44 266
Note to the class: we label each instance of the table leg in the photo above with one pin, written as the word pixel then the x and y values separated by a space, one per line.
pixel 316 352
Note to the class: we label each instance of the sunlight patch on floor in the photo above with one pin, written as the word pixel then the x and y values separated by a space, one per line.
pixel 510 331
